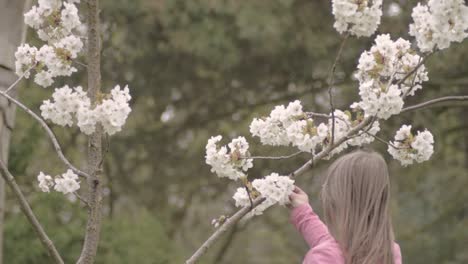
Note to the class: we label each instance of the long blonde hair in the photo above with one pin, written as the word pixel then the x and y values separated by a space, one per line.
pixel 355 199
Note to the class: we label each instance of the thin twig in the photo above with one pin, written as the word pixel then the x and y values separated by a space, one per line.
pixel 17 80
pixel 250 196
pixel 80 63
pixel 435 101
pixel 83 200
pixel 412 82
pixel 312 114
pixel 50 133
pixel 45 240
pixel 388 143
pixel 331 78
pixel 415 69
pixel 275 158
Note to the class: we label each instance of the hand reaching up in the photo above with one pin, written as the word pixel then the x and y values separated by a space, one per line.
pixel 298 197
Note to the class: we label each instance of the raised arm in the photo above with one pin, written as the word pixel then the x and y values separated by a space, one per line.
pixel 305 220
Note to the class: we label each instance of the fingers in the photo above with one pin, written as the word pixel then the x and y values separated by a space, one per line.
pixel 297 189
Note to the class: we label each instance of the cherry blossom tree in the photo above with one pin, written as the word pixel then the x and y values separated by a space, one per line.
pixel 96 113
pixel 387 73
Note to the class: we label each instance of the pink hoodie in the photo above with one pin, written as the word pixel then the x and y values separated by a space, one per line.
pixel 323 247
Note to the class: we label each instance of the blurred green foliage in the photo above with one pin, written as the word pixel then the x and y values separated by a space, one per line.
pixel 206 67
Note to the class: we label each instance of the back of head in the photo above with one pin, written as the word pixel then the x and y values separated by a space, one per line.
pixel 355 199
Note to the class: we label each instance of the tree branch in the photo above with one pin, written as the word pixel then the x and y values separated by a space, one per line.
pixel 323 154
pixel 18 80
pixel 331 79
pixel 95 158
pixel 45 240
pixel 50 133
pixel 275 157
pixel 243 211
pixel 435 101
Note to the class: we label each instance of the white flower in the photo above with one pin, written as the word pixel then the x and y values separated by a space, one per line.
pixel 73 104
pixel 241 197
pixel 71 44
pixel 86 120
pixel 69 17
pixel 53 19
pixel 362 137
pixel 68 183
pixel 304 135
pixel 45 182
pixel 439 23
pixel 33 18
pixel 112 113
pixel 360 18
pixel 340 130
pixel 25 59
pixel 55 23
pixel 408 148
pixel 43 78
pixel 270 131
pixel 230 162
pixel 386 63
pixel 66 103
pixel 275 188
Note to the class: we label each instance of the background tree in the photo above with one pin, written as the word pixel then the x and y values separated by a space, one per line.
pixel 13 33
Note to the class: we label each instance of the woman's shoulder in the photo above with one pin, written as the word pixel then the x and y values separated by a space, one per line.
pixel 328 251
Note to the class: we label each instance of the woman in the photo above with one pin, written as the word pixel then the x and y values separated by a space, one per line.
pixel 355 199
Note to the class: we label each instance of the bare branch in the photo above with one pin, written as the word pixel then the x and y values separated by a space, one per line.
pixel 45 240
pixel 421 62
pixel 17 80
pixel 83 200
pixel 275 157
pixel 435 101
pixel 331 79
pixel 50 133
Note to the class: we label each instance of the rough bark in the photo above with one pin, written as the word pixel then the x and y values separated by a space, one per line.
pixel 12 32
pixel 95 158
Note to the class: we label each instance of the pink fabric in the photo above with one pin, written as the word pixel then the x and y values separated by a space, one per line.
pixel 323 247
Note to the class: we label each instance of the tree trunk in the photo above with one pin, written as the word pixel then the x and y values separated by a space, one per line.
pixel 12 33
pixel 95 158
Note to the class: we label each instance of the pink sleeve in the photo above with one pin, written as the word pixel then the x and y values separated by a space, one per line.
pixel 308 224
pixel 397 253
pixel 324 255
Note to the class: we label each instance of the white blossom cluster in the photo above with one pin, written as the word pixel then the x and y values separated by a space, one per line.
pixel 439 23
pixel 55 22
pixel 365 136
pixel 73 105
pixel 408 148
pixel 272 129
pixel 386 62
pixel 289 125
pixel 230 161
pixel 360 18
pixel 274 188
pixel 66 183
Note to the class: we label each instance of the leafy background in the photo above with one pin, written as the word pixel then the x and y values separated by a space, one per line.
pixel 206 67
